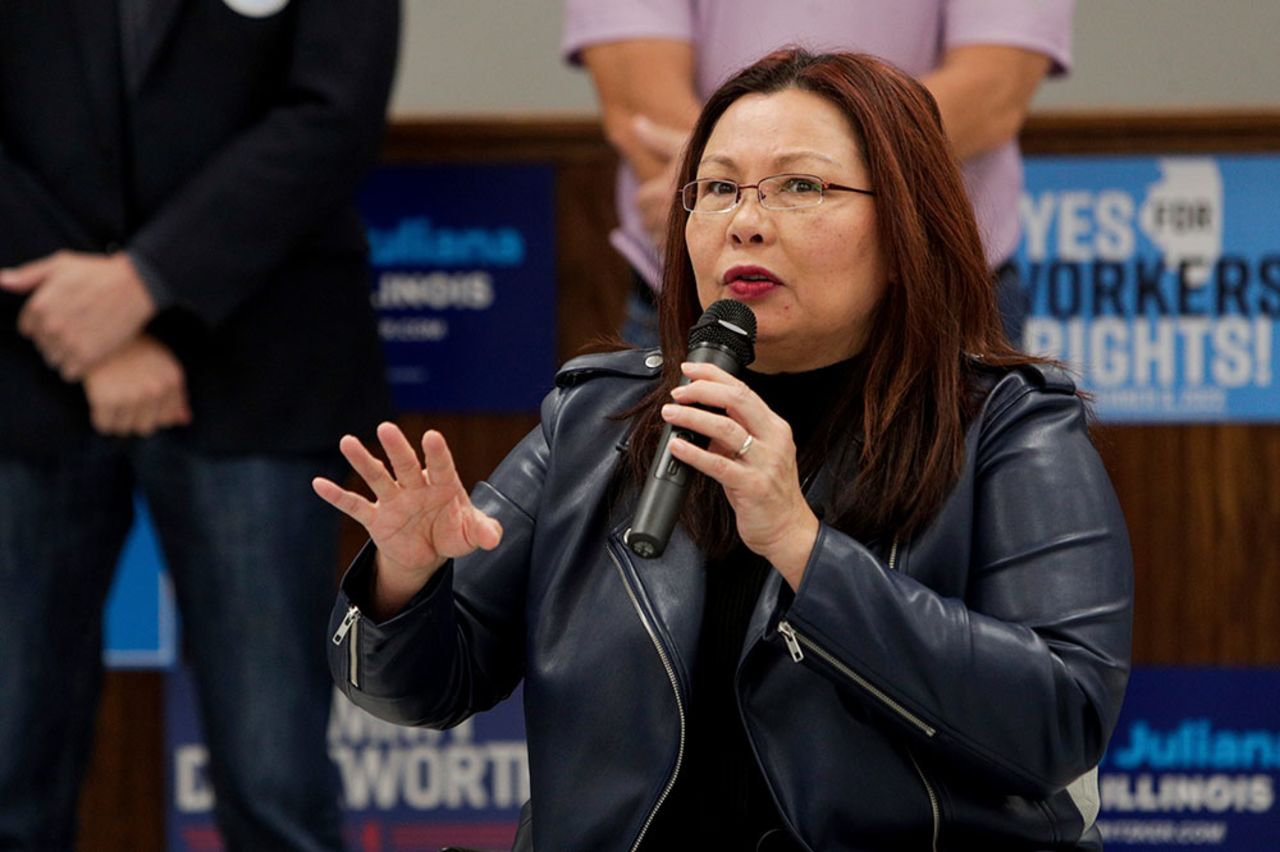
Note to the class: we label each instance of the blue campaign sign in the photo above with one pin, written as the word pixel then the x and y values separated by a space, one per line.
pixel 403 789
pixel 464 284
pixel 140 628
pixel 1158 280
pixel 1194 761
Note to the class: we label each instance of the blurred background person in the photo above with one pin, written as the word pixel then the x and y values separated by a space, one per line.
pixel 184 310
pixel 895 613
pixel 654 62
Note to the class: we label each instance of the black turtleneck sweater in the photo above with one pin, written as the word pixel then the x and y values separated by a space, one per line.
pixel 720 799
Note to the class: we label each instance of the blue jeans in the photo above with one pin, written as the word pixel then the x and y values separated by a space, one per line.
pixel 251 552
pixel 1014 301
pixel 640 328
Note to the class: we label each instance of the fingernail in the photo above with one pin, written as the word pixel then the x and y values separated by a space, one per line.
pixel 668 410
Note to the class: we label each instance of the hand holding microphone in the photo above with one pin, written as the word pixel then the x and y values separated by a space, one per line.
pixel 752 455
pixel 725 337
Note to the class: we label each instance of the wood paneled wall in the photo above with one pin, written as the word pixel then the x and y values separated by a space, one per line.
pixel 1202 502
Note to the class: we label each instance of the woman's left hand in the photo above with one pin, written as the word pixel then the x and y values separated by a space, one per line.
pixel 753 457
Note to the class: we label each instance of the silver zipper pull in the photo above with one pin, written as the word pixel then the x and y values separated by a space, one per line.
pixel 345 627
pixel 793 644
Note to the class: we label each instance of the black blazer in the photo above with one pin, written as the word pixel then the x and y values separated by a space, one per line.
pixel 228 161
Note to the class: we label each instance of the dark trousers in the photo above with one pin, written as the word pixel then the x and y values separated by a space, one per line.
pixel 251 552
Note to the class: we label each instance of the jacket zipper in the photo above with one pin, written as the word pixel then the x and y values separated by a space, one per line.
pixel 350 624
pixel 675 688
pixel 933 802
pixel 934 810
pixel 794 640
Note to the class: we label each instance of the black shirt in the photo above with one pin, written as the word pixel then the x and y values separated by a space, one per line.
pixel 721 799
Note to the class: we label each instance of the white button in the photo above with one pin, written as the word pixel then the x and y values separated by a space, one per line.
pixel 653 361
pixel 256 8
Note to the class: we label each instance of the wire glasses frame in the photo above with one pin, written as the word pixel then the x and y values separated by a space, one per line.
pixel 776 192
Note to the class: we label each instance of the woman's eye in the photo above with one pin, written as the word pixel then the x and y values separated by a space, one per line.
pixel 801 185
pixel 721 187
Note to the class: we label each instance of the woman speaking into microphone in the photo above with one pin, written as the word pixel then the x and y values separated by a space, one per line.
pixel 894 610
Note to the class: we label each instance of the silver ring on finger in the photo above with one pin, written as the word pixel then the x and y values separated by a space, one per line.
pixel 746 445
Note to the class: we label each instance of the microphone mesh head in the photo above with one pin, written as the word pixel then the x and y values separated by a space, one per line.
pixel 728 323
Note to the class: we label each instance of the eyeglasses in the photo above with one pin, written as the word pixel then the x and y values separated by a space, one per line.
pixel 777 192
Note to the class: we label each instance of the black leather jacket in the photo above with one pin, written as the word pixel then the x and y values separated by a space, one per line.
pixel 953 691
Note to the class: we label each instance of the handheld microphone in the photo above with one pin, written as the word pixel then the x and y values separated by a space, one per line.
pixel 725 336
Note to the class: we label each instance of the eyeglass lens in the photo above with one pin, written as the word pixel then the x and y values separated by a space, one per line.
pixel 777 192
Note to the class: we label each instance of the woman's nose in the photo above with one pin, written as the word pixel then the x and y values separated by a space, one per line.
pixel 749 222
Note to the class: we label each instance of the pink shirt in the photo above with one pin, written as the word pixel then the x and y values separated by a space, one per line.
pixel 913 34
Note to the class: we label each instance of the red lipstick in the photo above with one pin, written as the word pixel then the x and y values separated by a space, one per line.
pixel 750 282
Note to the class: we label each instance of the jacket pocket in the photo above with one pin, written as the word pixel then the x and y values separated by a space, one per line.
pixel 798 644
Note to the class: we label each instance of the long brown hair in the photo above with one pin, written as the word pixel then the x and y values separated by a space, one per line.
pixel 938 315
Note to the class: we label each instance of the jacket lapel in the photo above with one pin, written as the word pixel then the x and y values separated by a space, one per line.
pixel 155 20
pixel 762 614
pixel 673 587
pixel 101 62
pixel 675 584
pixel 818 493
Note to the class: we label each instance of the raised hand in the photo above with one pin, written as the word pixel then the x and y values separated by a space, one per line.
pixel 421 515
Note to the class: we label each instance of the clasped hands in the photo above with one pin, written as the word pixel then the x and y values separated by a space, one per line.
pixel 654 197
pixel 85 315
pixel 421 515
pixel 82 307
